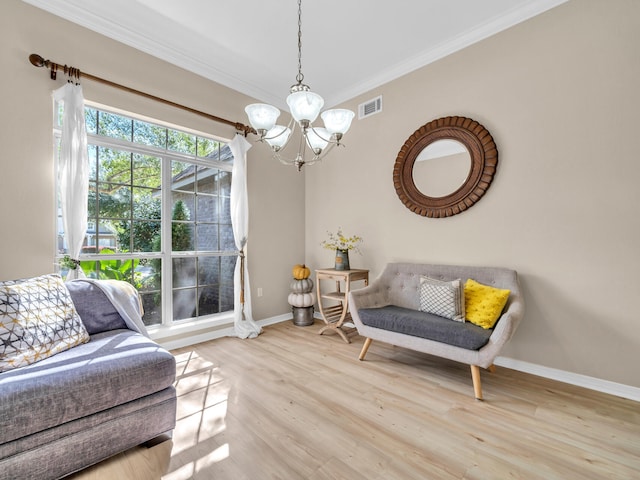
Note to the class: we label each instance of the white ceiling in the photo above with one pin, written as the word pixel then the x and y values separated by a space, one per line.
pixel 349 46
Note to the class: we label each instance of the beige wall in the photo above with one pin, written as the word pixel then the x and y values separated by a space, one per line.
pixel 27 241
pixel 560 95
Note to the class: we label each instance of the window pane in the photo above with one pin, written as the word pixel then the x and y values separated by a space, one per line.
pixel 124 236
pixel 226 297
pixel 114 201
pixel 227 268
pixel 206 210
pixel 116 269
pixel 149 134
pixel 208 270
pixel 183 177
pixel 207 237
pixel 182 230
pixel 147 171
pixel 114 165
pixel 146 236
pixel 149 274
pixel 106 236
pixel 225 210
pixel 184 303
pixel 114 126
pixel 209 300
pixel 181 142
pixel 225 183
pixel 110 269
pixel 227 241
pixel 89 268
pixel 91 119
pixel 184 272
pixel 92 203
pixel 152 305
pixel 146 204
pixel 207 180
pixel 208 148
pixel 92 154
pixel 225 155
pixel 182 237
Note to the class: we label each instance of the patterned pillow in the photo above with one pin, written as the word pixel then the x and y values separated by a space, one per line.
pixel 37 320
pixel 445 299
pixel 484 304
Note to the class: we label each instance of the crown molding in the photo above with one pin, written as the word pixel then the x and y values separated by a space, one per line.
pixel 475 35
pixel 77 12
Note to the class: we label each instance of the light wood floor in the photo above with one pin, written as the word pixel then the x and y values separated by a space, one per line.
pixel 293 405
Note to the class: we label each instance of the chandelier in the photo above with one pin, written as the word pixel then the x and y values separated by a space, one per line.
pixel 304 106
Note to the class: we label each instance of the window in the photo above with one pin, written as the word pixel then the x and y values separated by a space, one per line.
pixel 159 215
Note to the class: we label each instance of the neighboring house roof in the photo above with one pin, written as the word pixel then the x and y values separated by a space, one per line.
pixel 185 177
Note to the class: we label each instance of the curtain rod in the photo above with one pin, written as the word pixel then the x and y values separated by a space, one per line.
pixel 37 61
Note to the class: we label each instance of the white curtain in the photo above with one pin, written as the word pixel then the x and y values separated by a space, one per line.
pixel 244 325
pixel 73 172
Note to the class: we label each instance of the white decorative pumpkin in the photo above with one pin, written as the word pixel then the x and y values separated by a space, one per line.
pixel 302 286
pixel 302 299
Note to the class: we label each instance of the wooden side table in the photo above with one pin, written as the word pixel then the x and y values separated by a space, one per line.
pixel 334 316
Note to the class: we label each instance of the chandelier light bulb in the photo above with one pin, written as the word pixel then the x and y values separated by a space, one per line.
pixel 337 120
pixel 318 139
pixel 305 105
pixel 277 137
pixel 262 117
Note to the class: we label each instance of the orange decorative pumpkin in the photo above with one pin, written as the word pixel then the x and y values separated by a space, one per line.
pixel 300 272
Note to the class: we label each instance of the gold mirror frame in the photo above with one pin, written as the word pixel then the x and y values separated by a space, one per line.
pixel 484 161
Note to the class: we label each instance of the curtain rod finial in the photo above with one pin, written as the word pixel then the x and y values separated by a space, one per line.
pixel 244 129
pixel 36 60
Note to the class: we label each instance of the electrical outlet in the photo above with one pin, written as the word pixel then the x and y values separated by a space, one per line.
pixel 259 291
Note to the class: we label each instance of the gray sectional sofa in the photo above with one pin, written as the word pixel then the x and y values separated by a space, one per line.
pixel 388 310
pixel 80 406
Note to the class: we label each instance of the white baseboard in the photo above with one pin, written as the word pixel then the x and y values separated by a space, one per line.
pixel 226 330
pixel 592 383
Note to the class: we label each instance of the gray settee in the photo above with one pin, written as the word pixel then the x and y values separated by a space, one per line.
pixel 387 310
pixel 80 406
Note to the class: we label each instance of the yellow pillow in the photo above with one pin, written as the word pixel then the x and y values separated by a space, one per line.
pixel 483 304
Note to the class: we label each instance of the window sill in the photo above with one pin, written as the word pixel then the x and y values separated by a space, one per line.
pixel 189 327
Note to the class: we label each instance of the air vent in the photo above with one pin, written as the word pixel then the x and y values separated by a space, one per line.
pixel 369 108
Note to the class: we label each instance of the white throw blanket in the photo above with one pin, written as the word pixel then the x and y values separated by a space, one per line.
pixel 125 299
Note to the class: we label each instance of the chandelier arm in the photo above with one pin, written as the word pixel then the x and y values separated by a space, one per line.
pixel 277 154
pixel 329 140
pixel 282 160
pixel 324 152
pixel 317 158
pixel 290 126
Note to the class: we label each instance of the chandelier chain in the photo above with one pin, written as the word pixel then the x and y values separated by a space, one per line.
pixel 300 76
pixel 305 107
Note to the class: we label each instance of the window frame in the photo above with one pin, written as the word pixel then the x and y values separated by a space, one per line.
pixel 168 327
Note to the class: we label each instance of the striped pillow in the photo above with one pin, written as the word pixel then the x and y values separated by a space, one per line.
pixel 445 299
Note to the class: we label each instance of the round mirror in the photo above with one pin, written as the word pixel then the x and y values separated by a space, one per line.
pixel 441 168
pixel 432 186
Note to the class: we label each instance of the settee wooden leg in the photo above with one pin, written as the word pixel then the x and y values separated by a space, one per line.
pixel 492 368
pixel 477 387
pixel 365 347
